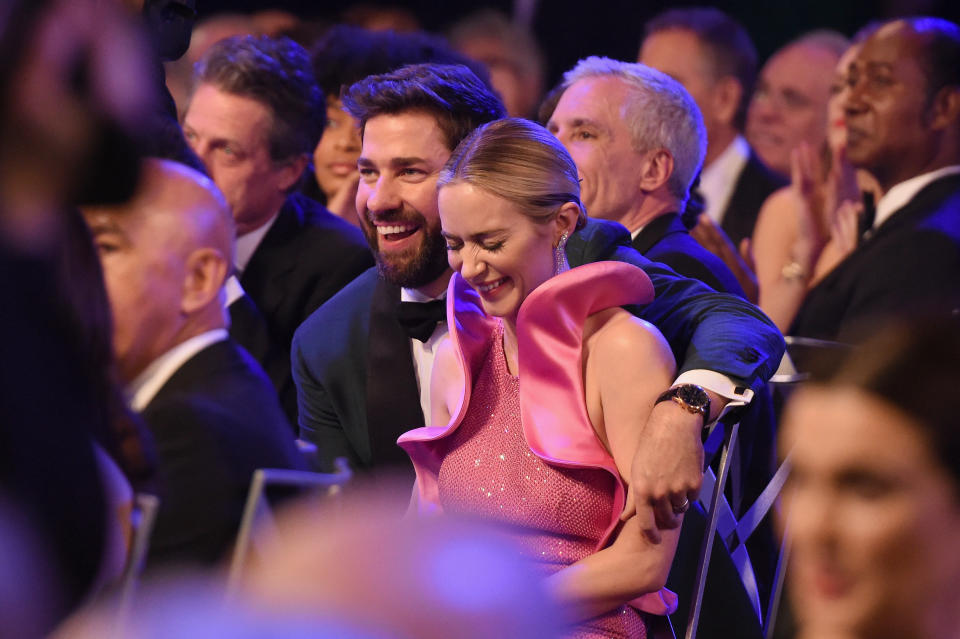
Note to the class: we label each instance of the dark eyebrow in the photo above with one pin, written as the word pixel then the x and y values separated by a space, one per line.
pixel 394 162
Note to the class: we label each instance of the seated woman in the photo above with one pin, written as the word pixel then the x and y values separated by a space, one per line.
pixel 808 227
pixel 541 392
pixel 874 497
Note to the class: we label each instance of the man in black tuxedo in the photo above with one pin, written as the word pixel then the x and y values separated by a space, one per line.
pixel 362 361
pixel 210 407
pixel 902 108
pixel 254 118
pixel 712 56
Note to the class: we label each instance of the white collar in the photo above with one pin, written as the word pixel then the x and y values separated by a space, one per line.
pixel 900 194
pixel 149 382
pixel 719 178
pixel 413 295
pixel 247 244
pixel 232 290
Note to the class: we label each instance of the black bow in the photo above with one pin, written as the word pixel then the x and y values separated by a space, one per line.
pixel 419 319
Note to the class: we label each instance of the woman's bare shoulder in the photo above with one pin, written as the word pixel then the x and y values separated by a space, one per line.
pixel 617 337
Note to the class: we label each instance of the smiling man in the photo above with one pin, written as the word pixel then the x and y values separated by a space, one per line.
pixel 362 362
pixel 902 110
pixel 789 104
pixel 254 118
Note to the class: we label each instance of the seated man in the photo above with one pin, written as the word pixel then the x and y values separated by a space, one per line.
pixel 212 412
pixel 254 118
pixel 638 140
pixel 902 108
pixel 362 362
pixel 712 56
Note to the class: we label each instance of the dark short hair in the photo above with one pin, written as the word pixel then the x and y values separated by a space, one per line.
pixel 729 48
pixel 912 365
pixel 275 72
pixel 941 59
pixel 452 93
pixel 347 54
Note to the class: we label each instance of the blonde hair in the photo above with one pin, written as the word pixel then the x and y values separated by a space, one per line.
pixel 521 162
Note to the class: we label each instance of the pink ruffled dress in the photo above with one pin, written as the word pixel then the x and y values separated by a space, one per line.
pixel 521 451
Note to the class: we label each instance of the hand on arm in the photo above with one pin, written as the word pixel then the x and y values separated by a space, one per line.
pixel 667 469
pixel 626 368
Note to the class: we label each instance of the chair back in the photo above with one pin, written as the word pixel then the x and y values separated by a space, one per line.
pixel 258 524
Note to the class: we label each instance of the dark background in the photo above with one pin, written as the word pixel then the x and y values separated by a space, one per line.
pixel 571 29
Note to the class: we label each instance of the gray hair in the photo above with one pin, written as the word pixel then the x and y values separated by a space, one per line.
pixel 660 114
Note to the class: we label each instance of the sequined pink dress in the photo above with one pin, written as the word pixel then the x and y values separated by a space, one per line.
pixel 521 451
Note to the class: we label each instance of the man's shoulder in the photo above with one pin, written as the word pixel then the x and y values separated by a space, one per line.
pixel 220 387
pixel 314 222
pixel 687 257
pixel 348 307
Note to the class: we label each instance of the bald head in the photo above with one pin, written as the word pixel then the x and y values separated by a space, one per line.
pixel 789 106
pixel 166 254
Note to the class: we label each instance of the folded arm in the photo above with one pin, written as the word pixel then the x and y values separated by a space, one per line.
pixel 627 365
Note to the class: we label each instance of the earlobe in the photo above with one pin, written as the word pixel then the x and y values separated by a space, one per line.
pixel 566 221
pixel 206 270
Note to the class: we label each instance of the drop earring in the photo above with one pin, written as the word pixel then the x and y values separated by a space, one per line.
pixel 560 256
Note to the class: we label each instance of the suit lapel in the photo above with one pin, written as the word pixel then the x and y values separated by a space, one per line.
pixel 264 278
pixel 655 231
pixel 392 395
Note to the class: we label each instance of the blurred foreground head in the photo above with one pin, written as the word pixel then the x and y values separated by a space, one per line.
pixel 874 496
pixel 355 571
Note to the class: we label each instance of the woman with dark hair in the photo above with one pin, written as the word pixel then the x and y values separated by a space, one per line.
pixel 541 393
pixel 873 500
pixel 347 54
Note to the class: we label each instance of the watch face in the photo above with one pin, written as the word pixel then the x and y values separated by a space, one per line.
pixel 693 396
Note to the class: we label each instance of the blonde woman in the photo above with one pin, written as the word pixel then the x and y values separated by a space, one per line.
pixel 540 394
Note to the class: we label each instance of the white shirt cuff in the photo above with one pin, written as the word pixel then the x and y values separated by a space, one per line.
pixel 719 384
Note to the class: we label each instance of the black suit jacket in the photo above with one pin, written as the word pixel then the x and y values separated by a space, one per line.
pixel 753 187
pixel 343 350
pixel 666 240
pixel 910 264
pixel 307 255
pixel 215 421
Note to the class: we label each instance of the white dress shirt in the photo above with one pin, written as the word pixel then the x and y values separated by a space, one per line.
pixel 247 244
pixel 900 195
pixel 425 352
pixel 718 179
pixel 148 383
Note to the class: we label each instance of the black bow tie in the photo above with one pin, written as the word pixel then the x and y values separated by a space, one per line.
pixel 419 319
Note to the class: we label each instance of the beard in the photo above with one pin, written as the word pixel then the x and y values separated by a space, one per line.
pixel 416 266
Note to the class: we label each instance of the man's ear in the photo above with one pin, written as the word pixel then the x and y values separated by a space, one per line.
pixel 655 169
pixel 944 109
pixel 291 170
pixel 206 270
pixel 725 99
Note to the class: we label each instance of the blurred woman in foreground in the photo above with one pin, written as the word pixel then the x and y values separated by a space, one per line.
pixel 874 496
